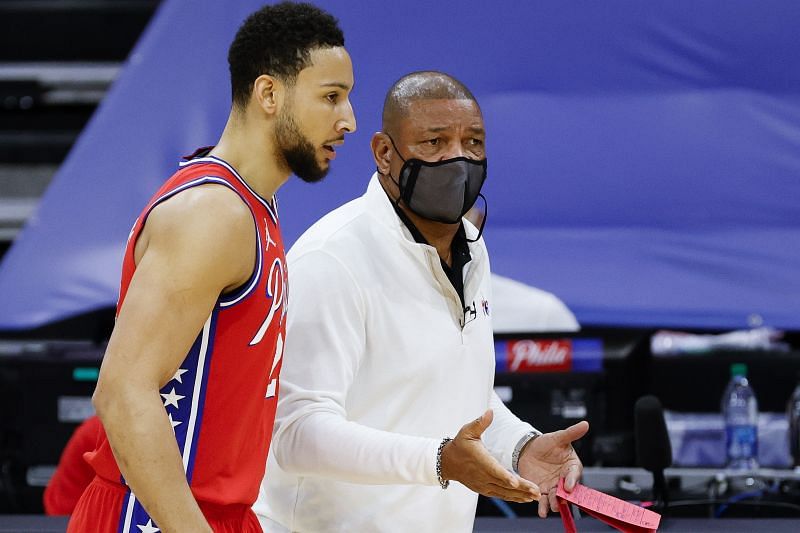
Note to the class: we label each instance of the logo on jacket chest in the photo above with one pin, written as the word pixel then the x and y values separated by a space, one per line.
pixel 471 311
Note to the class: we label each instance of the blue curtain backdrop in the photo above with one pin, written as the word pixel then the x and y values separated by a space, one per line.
pixel 644 157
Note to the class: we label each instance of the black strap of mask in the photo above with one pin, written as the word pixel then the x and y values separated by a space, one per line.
pixel 396 201
pixel 483 222
pixel 407 189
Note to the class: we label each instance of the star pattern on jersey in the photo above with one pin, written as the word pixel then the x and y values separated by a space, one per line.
pixel 174 423
pixel 148 527
pixel 172 398
pixel 177 413
pixel 178 375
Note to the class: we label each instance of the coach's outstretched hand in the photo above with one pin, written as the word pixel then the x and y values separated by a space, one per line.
pixel 550 457
pixel 465 459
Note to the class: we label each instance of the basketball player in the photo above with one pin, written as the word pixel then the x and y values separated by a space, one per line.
pixel 188 386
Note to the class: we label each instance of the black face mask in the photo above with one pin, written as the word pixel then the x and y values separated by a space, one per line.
pixel 442 191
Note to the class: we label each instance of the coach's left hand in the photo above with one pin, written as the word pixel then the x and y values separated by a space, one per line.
pixel 550 457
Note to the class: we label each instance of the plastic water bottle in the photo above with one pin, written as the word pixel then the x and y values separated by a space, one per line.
pixel 740 410
pixel 793 415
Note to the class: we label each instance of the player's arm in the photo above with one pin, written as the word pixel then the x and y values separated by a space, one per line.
pixel 194 246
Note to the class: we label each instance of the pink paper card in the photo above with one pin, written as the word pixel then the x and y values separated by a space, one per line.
pixel 617 513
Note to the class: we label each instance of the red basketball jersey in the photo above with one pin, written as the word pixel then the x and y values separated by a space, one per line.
pixel 221 401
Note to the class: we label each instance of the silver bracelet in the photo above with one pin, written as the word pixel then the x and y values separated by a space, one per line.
pixel 444 483
pixel 528 437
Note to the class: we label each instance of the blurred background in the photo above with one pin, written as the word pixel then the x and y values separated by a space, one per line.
pixel 644 168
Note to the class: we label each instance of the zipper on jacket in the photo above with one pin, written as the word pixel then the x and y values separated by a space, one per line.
pixel 452 297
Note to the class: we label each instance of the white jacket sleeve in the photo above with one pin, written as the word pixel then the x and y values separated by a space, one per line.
pixel 505 431
pixel 325 344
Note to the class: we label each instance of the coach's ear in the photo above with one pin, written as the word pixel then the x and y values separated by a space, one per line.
pixel 381 151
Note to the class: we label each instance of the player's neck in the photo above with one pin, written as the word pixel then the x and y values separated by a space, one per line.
pixel 248 147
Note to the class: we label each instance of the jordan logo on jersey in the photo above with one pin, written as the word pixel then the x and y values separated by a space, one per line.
pixel 269 237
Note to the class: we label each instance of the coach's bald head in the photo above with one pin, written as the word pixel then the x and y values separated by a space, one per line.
pixel 422 85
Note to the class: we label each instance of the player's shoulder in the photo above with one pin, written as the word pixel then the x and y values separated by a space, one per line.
pixel 211 217
pixel 210 204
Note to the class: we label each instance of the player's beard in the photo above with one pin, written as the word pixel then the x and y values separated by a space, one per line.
pixel 298 152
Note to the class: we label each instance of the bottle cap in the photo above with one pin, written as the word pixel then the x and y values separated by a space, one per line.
pixel 738 369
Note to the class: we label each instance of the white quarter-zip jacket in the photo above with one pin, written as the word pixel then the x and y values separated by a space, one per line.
pixel 381 362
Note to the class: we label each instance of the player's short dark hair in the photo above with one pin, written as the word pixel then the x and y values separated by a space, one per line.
pixel 277 40
pixel 421 85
